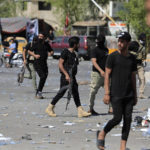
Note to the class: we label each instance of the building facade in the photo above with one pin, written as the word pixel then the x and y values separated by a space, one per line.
pixel 41 10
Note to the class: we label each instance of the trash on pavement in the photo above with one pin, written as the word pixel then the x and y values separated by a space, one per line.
pixel 145 123
pixel 98 124
pixel 148 114
pixel 5 140
pixel 146 132
pixel 138 120
pixel 47 126
pixel 116 134
pixel 90 130
pixel 67 123
pixel 27 137
pixel 88 140
pixel 64 131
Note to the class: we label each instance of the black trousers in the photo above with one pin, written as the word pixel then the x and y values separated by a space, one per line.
pixel 75 92
pixel 11 56
pixel 122 107
pixel 42 70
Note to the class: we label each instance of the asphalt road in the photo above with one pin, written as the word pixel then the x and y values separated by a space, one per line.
pixel 23 118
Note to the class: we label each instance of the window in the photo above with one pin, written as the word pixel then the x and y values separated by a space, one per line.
pixel 44 6
pixel 24 5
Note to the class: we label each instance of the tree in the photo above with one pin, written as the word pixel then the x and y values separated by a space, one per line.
pixel 75 9
pixel 135 16
pixel 7 8
pixel 78 9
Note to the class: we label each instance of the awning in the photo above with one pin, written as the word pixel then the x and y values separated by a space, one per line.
pixel 13 25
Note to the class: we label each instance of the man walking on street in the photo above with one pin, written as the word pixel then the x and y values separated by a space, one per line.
pixel 98 58
pixel 121 67
pixel 68 68
pixel 41 50
pixel 137 48
pixel 29 62
pixel 141 57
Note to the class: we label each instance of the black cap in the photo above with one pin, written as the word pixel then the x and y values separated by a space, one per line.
pixel 124 35
pixel 100 38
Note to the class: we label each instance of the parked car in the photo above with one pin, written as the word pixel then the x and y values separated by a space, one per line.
pixel 61 42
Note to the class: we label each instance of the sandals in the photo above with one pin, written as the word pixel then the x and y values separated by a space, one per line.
pixel 99 142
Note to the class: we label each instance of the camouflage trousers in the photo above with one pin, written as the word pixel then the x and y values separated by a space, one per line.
pixel 97 81
pixel 141 77
pixel 31 74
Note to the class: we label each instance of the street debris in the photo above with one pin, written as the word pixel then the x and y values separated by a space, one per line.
pixel 67 123
pixel 47 126
pixel 88 140
pixel 90 130
pixel 5 140
pixel 116 134
pixel 98 124
pixel 64 131
pixel 27 137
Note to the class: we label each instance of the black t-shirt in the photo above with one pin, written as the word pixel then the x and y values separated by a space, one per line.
pixel 70 61
pixel 122 68
pixel 28 47
pixel 100 53
pixel 41 49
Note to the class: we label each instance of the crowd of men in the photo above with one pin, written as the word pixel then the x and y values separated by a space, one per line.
pixel 121 67
pixel 115 72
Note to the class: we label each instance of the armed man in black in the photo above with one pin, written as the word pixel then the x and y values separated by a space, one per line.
pixel 68 68
pixel 41 50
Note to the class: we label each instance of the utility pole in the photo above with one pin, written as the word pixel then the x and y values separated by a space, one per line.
pixel 101 9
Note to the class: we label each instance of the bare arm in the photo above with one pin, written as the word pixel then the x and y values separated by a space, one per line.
pixel 61 67
pixel 107 85
pixel 24 55
pixel 134 87
pixel 97 66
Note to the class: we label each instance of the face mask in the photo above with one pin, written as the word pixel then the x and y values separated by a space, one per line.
pixel 100 44
pixel 40 40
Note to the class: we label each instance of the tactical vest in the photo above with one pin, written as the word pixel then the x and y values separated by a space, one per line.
pixel 141 53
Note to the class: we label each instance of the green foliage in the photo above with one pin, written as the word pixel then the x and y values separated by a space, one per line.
pixel 135 16
pixel 77 9
pixel 7 8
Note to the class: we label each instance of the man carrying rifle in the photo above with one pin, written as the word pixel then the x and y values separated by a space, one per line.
pixel 68 68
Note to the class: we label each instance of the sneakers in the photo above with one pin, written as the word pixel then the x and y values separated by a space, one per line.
pixel 39 95
pixel 93 112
